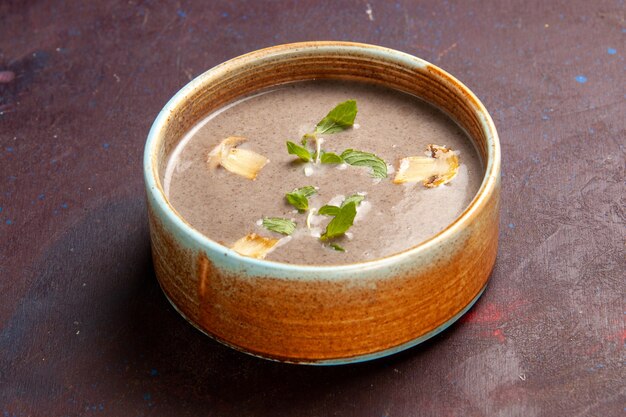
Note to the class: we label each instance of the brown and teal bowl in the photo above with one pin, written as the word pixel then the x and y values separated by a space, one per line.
pixel 323 314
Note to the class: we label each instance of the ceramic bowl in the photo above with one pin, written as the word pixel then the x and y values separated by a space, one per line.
pixel 323 314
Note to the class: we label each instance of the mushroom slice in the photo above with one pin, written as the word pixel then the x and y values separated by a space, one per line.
pixel 434 170
pixel 447 166
pixel 214 158
pixel 254 246
pixel 242 162
pixel 414 168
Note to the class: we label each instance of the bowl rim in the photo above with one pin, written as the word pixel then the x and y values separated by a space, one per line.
pixel 155 190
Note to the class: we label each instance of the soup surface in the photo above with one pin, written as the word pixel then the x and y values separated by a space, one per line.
pixel 390 218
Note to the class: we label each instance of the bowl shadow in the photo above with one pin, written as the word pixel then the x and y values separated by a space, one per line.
pixel 117 340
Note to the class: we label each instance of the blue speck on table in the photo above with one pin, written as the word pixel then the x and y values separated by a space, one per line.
pixel 581 79
pixel 611 51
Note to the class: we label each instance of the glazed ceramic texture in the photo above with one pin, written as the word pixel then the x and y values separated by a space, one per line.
pixel 323 314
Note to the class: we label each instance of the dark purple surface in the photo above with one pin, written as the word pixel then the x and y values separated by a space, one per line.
pixel 84 328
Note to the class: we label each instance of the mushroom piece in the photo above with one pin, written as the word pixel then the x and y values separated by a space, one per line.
pixel 254 246
pixel 242 162
pixel 437 169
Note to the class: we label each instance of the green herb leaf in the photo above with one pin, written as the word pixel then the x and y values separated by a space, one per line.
pixel 329 210
pixel 357 198
pixel 364 159
pixel 337 247
pixel 279 225
pixel 299 201
pixel 305 138
pixel 307 190
pixel 299 151
pixel 299 197
pixel 338 119
pixel 341 222
pixel 330 158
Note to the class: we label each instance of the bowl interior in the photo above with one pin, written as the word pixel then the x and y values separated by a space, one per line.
pixel 257 71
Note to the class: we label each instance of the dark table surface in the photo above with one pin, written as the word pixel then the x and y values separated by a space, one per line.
pixel 84 327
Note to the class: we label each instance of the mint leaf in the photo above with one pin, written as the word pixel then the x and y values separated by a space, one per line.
pixel 305 138
pixel 306 191
pixel 299 197
pixel 330 158
pixel 329 210
pixel 299 151
pixel 357 198
pixel 279 225
pixel 338 119
pixel 364 159
pixel 337 247
pixel 299 201
pixel 341 222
